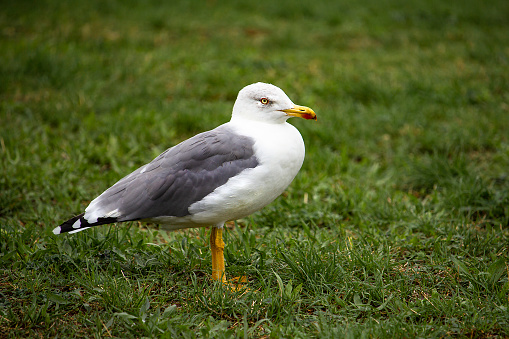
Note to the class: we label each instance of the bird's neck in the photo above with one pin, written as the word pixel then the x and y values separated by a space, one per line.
pixel 243 119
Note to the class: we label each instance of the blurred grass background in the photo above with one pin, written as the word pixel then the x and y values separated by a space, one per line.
pixel 397 225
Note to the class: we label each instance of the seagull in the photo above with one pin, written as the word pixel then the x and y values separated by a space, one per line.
pixel 220 175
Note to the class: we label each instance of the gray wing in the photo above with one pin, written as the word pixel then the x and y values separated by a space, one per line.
pixel 180 176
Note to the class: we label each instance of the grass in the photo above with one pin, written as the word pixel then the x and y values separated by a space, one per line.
pixel 396 226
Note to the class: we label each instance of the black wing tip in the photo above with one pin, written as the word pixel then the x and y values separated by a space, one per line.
pixel 67 226
pixel 71 226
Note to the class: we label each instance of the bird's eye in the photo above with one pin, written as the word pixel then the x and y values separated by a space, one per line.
pixel 264 101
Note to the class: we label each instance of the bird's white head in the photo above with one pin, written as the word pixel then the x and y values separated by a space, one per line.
pixel 266 102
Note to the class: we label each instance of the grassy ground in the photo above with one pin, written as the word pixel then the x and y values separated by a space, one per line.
pixel 397 225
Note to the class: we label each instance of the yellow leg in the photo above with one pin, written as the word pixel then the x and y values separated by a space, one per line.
pixel 217 248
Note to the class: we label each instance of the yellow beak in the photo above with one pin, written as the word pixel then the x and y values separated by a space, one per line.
pixel 301 112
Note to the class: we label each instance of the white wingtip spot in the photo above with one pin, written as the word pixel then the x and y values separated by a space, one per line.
pixel 76 224
pixel 57 230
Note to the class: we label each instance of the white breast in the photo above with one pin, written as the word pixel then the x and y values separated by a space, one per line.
pixel 280 151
